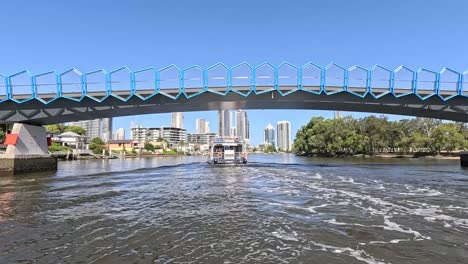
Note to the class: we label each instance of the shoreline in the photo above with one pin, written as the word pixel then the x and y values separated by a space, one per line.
pixel 452 156
pixel 393 156
pixel 98 157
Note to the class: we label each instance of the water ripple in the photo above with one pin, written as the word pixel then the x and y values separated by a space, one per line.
pixel 277 209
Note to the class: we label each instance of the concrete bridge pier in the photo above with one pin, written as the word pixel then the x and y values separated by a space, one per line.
pixel 27 151
pixel 464 159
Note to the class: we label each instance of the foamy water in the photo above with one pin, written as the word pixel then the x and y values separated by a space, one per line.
pixel 277 209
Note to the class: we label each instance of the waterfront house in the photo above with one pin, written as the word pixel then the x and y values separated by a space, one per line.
pixel 126 145
pixel 71 140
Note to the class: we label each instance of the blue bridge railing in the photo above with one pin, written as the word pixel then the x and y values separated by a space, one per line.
pixel 243 79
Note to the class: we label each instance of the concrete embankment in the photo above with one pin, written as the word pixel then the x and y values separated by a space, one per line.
pixel 25 164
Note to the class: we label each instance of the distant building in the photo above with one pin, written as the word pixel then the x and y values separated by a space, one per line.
pixel 172 135
pixel 283 130
pixel 100 128
pixel 269 135
pixel 207 127
pixel 138 133
pixel 177 120
pixel 338 114
pixel 119 134
pixel 242 125
pixel 200 139
pixel 201 126
pixel 261 147
pixel 224 123
pixel 122 145
pixel 106 132
pixel 72 140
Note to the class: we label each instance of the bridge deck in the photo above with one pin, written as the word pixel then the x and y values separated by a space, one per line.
pixel 241 89
pixel 64 110
pixel 61 97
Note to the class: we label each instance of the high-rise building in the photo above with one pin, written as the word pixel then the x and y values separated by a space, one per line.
pixel 106 129
pixel 233 131
pixel 201 126
pixel 177 120
pixel 283 130
pixel 242 125
pixel 269 135
pixel 100 128
pixel 224 123
pixel 119 134
pixel 207 127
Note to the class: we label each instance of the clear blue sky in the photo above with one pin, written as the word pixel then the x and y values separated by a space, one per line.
pixel 88 35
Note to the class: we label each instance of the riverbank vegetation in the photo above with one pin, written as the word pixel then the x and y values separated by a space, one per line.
pixel 3 131
pixel 97 145
pixel 56 147
pixel 270 149
pixel 374 135
pixel 60 128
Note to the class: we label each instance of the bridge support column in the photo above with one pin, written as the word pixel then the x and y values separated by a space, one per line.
pixel 28 151
pixel 464 159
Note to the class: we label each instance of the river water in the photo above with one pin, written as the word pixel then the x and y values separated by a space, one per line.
pixel 276 209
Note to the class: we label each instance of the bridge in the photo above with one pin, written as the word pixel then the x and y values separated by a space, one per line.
pixel 30 100
pixel 52 97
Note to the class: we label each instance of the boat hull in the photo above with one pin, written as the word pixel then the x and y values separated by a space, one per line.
pixel 227 161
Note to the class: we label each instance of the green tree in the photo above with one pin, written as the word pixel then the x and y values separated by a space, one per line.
pixel 55 128
pixel 420 142
pixel 75 129
pixel 149 147
pixel 301 143
pixel 97 145
pixel 374 134
pixel 169 152
pixel 447 137
pixel 57 147
pixel 2 135
pixel 375 129
pixel 270 149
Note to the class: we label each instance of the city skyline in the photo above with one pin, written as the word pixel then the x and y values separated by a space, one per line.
pixel 261 119
pixel 238 114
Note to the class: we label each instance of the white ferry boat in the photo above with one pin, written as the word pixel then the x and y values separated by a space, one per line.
pixel 225 150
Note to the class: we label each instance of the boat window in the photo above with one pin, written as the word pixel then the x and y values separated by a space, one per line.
pixel 218 149
pixel 228 147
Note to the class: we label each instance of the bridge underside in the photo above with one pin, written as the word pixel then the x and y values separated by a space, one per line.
pixel 65 110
